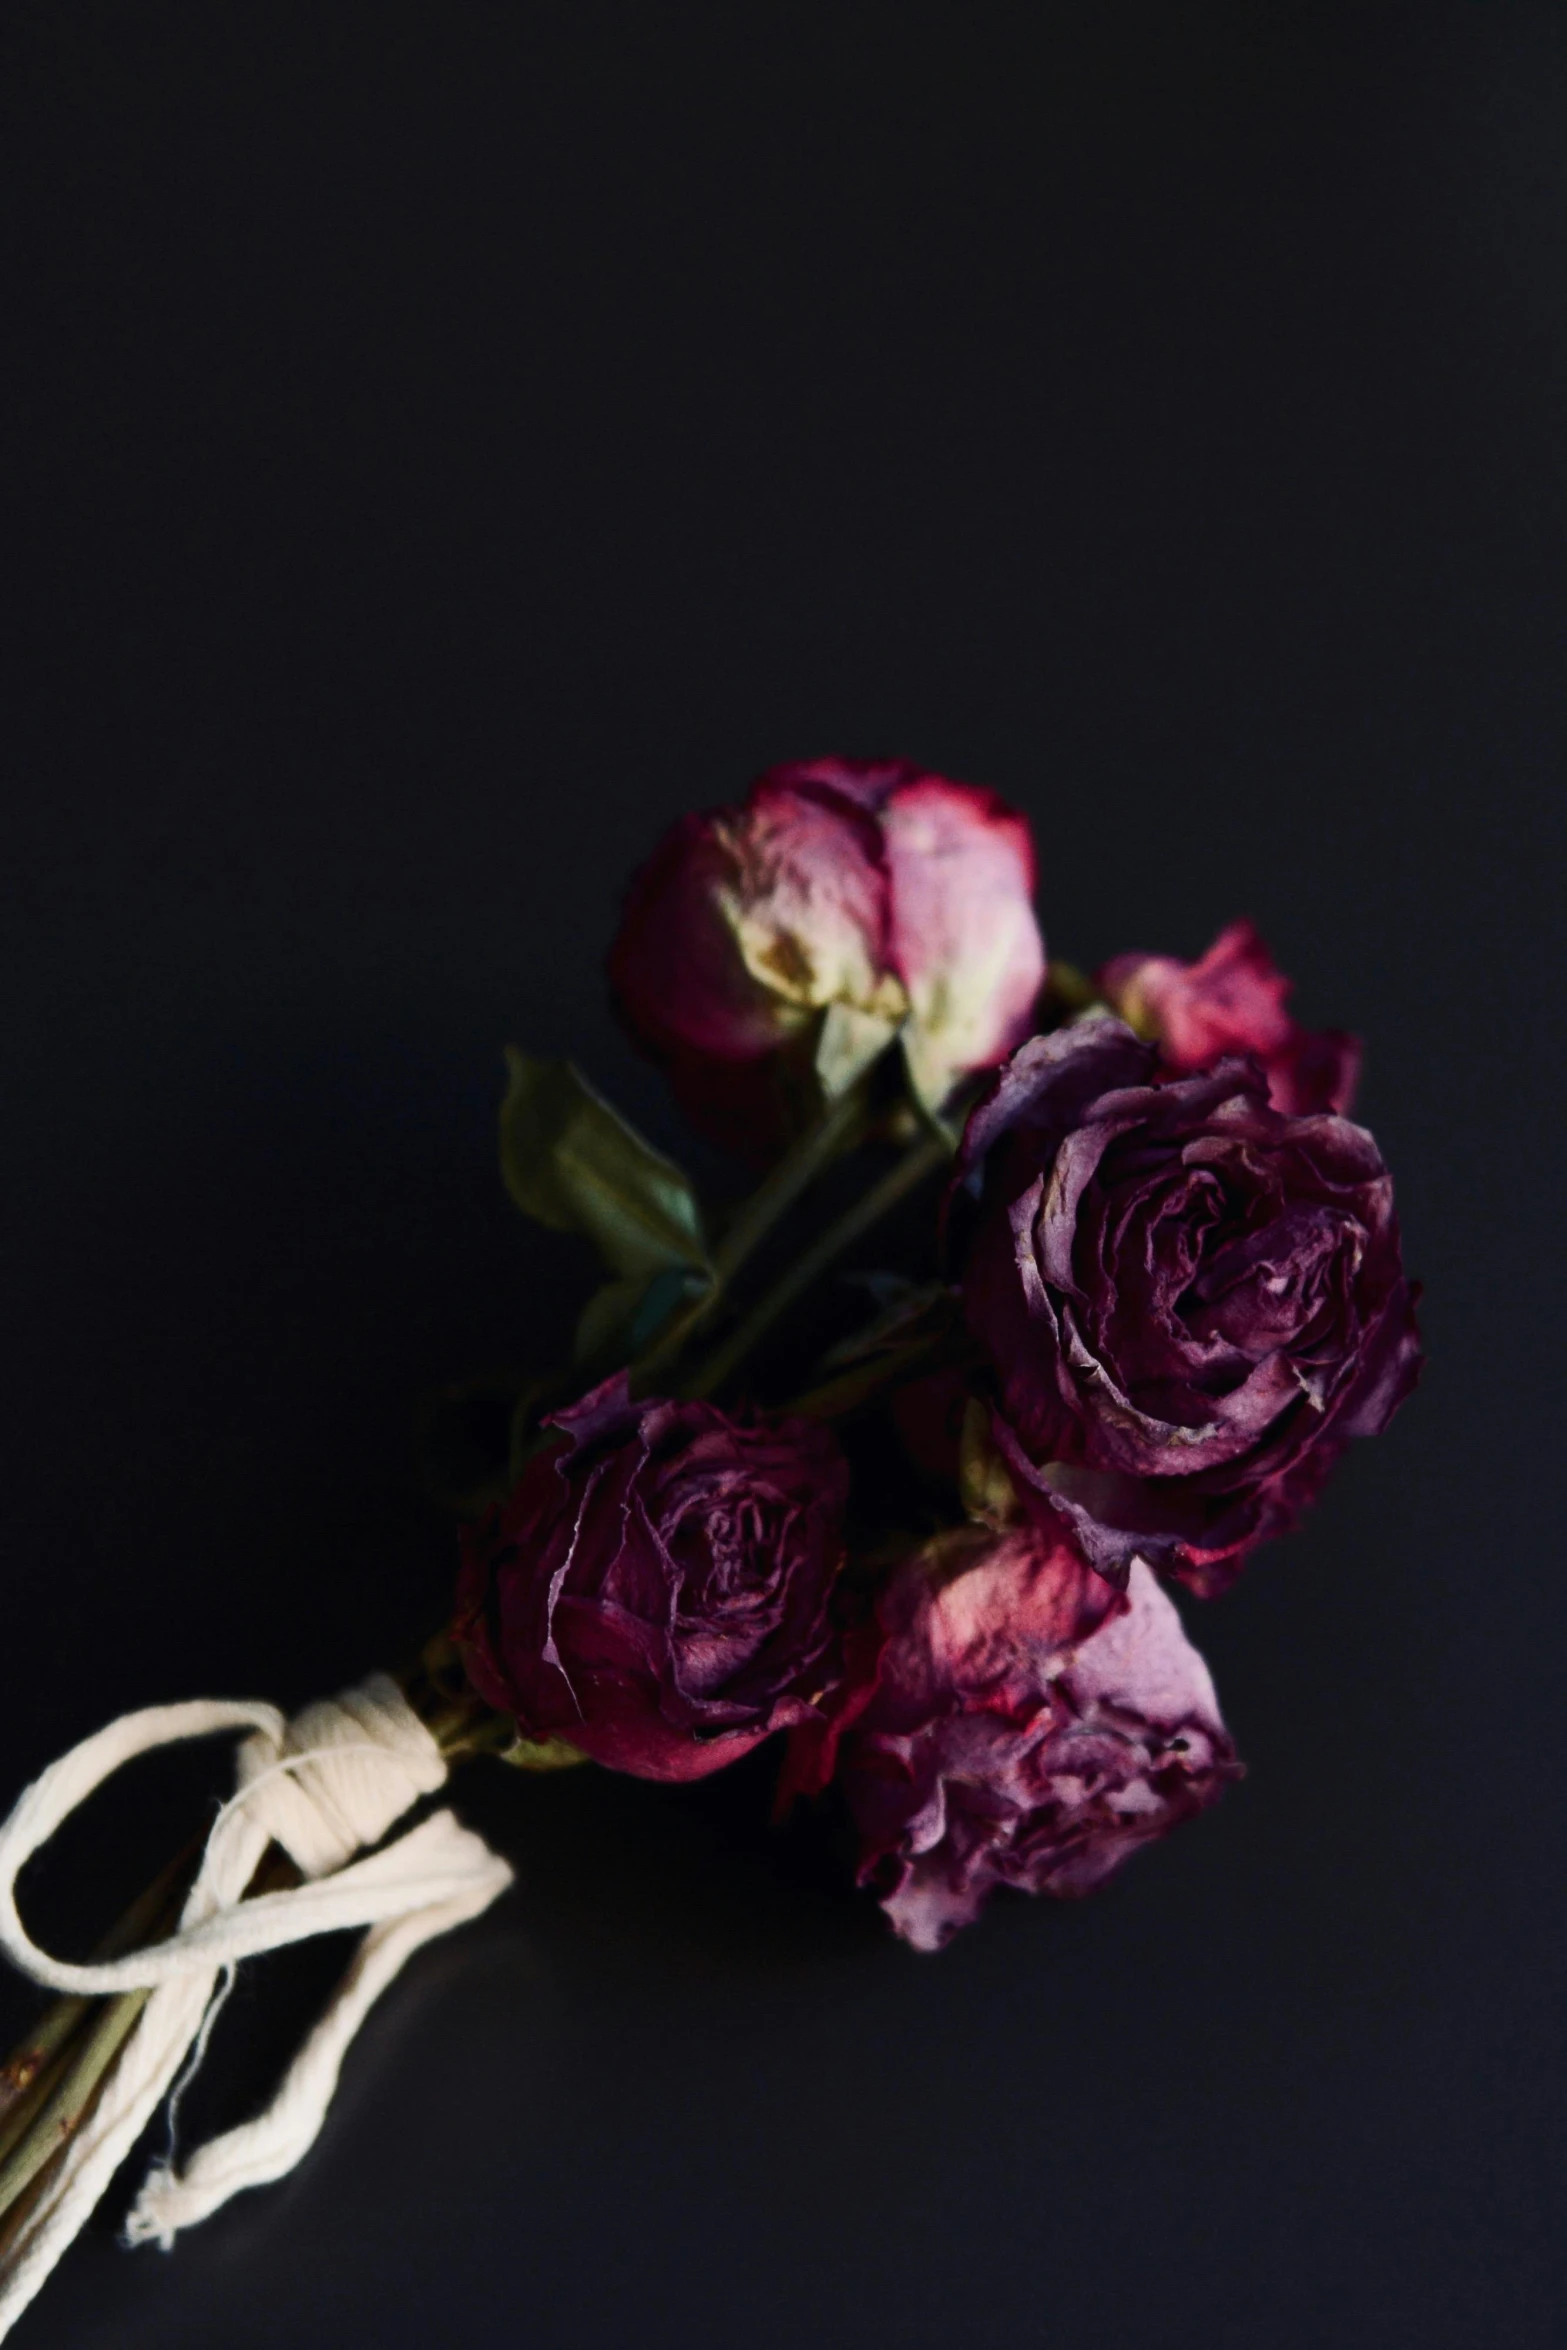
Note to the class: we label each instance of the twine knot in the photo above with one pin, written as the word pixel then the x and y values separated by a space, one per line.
pixel 323 1786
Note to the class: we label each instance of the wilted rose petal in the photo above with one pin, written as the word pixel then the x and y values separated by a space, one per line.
pixel 965 941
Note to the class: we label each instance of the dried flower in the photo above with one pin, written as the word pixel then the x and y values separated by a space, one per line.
pixel 1191 1302
pixel 1025 1727
pixel 1231 1000
pixel 843 902
pixel 655 1588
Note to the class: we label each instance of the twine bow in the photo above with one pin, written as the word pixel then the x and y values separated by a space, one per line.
pixel 323 1787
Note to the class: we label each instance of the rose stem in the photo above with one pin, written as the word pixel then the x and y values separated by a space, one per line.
pixel 114 2015
pixel 70 2101
pixel 36 2064
pixel 922 1158
pixel 845 1393
pixel 839 1128
pixel 14 2220
pixel 111 2018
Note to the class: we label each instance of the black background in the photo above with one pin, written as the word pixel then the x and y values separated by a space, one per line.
pixel 439 446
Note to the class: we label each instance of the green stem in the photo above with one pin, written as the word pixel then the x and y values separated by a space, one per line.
pixel 29 2064
pixel 921 1159
pixel 834 1398
pixel 109 2025
pixel 35 2068
pixel 835 1132
pixel 52 2128
pixel 24 2111
pixel 839 1128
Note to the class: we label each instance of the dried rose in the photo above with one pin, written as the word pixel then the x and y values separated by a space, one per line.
pixel 655 1589
pixel 1191 1302
pixel 843 901
pixel 1231 1000
pixel 1026 1727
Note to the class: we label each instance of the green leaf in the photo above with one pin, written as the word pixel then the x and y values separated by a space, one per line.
pixel 604 1324
pixel 573 1163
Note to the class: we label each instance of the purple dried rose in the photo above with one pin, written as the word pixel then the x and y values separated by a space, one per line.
pixel 1026 1727
pixel 1190 1301
pixel 793 936
pixel 655 1588
pixel 1231 1000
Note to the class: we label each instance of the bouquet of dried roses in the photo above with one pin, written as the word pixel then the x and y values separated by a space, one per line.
pixel 1049 1292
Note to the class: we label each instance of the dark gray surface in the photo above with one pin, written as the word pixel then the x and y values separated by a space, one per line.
pixel 438 448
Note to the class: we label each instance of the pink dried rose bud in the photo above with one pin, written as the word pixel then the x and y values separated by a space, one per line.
pixel 1231 1000
pixel 655 1588
pixel 843 901
pixel 1024 1726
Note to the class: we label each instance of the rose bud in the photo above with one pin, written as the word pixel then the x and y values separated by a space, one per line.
pixel 796 934
pixel 1190 1301
pixel 655 1588
pixel 1027 1728
pixel 1231 1000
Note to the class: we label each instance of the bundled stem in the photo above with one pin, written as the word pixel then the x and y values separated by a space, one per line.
pixel 50 2078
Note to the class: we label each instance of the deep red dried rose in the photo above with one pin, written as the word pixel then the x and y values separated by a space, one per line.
pixel 1191 1302
pixel 1231 1000
pixel 842 901
pixel 655 1589
pixel 1024 1727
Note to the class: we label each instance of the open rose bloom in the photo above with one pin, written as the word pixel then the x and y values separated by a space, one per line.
pixel 1190 1302
pixel 1024 1727
pixel 655 1589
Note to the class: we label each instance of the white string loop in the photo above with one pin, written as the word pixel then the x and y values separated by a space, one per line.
pixel 323 1787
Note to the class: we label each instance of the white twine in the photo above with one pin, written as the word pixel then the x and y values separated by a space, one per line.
pixel 322 1786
